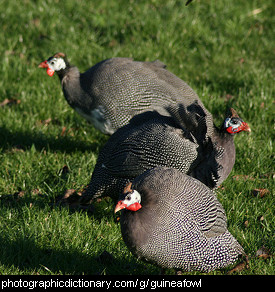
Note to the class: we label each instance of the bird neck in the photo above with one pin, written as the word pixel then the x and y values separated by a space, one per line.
pixel 224 145
pixel 63 72
pixel 71 86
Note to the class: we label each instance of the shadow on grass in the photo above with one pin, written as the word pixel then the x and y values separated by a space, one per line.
pixel 25 140
pixel 25 255
pixel 29 255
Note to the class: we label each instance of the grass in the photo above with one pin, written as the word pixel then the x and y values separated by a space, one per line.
pixel 223 49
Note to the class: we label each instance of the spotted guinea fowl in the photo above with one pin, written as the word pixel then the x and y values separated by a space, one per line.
pixel 173 220
pixel 111 92
pixel 188 141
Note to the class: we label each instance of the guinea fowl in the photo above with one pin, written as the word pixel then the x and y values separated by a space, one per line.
pixel 111 92
pixel 187 141
pixel 173 220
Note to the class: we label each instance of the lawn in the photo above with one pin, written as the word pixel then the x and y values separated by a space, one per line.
pixel 225 50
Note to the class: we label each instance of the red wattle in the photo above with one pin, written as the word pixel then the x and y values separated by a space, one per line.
pixel 50 71
pixel 230 130
pixel 134 207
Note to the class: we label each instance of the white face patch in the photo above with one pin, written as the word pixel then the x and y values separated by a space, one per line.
pixel 132 198
pixel 232 122
pixel 57 64
pixel 226 122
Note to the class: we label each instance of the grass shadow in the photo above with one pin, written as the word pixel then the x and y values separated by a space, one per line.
pixel 25 140
pixel 26 252
pixel 26 255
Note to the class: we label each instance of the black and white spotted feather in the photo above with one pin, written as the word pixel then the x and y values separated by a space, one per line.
pixel 180 225
pixel 191 144
pixel 111 92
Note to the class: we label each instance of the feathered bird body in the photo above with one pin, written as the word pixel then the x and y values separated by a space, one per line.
pixel 181 224
pixel 111 92
pixel 192 145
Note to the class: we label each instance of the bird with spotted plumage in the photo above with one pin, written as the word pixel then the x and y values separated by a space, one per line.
pixel 174 221
pixel 188 140
pixel 111 92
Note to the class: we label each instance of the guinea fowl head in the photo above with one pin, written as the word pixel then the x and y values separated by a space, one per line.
pixel 233 124
pixel 129 199
pixel 56 63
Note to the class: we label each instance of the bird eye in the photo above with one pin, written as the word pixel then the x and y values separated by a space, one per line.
pixel 234 121
pixel 52 62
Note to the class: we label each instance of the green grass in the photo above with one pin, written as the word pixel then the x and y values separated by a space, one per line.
pixel 223 49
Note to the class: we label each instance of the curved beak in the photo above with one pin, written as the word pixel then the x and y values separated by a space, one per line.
pixel 119 206
pixel 246 127
pixel 43 64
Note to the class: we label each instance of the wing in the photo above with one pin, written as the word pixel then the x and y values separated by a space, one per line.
pixel 205 207
pixel 138 147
